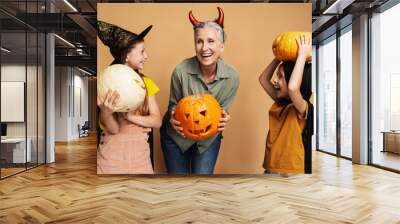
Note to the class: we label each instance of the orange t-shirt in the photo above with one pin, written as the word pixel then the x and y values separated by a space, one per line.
pixel 284 151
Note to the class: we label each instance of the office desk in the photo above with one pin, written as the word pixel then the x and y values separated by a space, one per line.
pixel 13 150
pixel 391 141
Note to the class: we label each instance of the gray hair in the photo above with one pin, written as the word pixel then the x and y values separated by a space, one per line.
pixel 214 25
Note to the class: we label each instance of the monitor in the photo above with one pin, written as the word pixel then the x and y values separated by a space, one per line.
pixel 3 129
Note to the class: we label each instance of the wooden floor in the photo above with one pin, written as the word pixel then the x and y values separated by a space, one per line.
pixel 10 171
pixel 69 191
pixel 5 172
pixel 387 159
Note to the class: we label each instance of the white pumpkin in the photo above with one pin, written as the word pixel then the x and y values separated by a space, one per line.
pixel 127 82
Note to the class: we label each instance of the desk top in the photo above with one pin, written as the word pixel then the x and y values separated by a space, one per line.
pixel 391 132
pixel 14 140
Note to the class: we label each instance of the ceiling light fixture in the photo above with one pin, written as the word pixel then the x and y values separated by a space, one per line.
pixel 84 71
pixel 65 41
pixel 337 7
pixel 5 50
pixel 70 5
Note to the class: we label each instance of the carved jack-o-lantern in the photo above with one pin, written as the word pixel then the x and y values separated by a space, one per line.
pixel 199 115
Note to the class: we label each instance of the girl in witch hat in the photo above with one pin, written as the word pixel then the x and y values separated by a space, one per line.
pixel 123 146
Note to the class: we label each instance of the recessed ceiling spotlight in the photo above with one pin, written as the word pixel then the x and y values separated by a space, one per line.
pixel 64 40
pixel 5 49
pixel 70 5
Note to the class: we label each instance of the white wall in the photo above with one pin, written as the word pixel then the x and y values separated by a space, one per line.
pixel 12 73
pixel 80 101
pixel 34 124
pixel 62 80
pixel 71 94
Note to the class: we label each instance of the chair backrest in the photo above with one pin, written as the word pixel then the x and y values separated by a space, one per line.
pixel 307 139
pixel 86 125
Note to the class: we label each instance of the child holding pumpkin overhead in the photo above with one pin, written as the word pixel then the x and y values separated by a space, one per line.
pixel 291 91
pixel 123 147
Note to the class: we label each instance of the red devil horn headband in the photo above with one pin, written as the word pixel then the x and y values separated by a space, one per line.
pixel 219 20
pixel 193 20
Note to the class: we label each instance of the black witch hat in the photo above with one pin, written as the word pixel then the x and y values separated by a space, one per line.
pixel 118 39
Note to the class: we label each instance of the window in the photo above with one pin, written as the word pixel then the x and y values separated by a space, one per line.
pixel 22 65
pixel 346 93
pixel 385 89
pixel 327 96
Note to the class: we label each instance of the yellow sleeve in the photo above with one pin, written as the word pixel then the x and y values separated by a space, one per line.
pixel 152 88
pixel 101 125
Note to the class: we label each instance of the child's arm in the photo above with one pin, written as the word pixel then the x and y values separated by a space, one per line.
pixel 294 84
pixel 265 79
pixel 107 111
pixel 153 120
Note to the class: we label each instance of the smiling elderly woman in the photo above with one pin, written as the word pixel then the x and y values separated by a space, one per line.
pixel 204 73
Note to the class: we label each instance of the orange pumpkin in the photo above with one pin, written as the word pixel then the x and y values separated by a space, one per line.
pixel 199 115
pixel 285 46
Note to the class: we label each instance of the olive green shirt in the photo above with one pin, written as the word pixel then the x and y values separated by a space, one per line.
pixel 187 80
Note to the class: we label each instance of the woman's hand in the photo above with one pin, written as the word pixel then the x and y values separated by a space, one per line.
pixel 305 47
pixel 223 120
pixel 176 124
pixel 109 105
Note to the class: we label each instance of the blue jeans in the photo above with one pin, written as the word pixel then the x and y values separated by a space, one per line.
pixel 191 161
